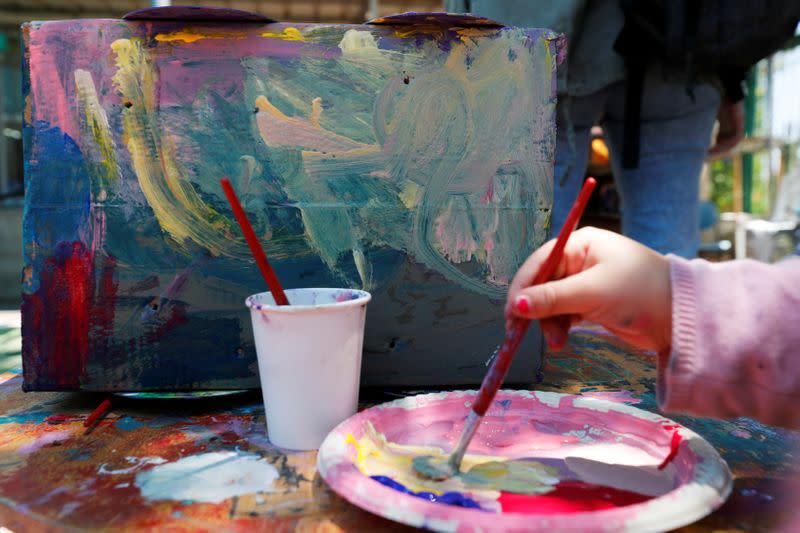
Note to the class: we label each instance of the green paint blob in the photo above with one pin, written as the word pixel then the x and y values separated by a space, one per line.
pixel 519 477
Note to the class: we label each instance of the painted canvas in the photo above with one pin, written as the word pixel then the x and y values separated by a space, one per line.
pixel 411 157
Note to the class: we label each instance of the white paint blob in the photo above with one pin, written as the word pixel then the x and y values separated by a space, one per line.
pixel 208 477
pixel 355 41
pixel 48 438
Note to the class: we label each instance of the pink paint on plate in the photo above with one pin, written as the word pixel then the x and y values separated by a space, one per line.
pixel 599 447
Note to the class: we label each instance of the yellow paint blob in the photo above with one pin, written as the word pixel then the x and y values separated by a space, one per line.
pixel 482 477
pixel 410 194
pixel 288 34
pixel 189 36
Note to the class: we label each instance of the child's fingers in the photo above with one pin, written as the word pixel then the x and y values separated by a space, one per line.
pixel 573 295
pixel 526 273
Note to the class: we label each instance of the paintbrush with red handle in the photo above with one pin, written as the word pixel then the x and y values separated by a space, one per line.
pixel 428 466
pixel 261 259
pixel 252 241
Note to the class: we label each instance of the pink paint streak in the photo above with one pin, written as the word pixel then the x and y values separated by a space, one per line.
pixel 49 52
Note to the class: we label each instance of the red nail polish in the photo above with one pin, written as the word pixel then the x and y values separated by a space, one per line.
pixel 522 304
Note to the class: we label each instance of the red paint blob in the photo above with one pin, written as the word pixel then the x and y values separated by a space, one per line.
pixel 673 450
pixel 59 419
pixel 522 305
pixel 56 325
pixel 570 497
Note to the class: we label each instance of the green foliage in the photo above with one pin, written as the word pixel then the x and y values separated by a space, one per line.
pixel 722 184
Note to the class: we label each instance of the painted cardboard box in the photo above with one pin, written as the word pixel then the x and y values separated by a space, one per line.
pixel 411 156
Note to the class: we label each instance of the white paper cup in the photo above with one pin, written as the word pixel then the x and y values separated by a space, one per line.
pixel 309 361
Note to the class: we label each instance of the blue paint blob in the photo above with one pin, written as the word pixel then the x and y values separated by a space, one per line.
pixel 77 455
pixel 450 498
pixel 127 423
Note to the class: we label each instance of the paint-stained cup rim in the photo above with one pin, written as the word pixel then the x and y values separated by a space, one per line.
pixel 350 298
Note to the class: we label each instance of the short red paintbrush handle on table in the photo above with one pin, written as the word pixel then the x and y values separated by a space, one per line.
pixel 497 373
pixel 98 412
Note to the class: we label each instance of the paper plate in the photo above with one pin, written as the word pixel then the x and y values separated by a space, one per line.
pixel 598 465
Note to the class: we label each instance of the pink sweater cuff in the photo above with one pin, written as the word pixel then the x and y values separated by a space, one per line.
pixel 735 340
pixel 677 365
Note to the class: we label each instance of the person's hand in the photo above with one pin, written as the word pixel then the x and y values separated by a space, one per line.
pixel 604 278
pixel 731 127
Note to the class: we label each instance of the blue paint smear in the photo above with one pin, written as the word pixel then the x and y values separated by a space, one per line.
pixel 450 498
pixel 25 418
pixel 77 455
pixel 127 423
pixel 57 195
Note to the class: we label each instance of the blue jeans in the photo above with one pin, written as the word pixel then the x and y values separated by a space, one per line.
pixel 659 201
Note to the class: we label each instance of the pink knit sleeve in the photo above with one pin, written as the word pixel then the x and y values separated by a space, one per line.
pixel 735 341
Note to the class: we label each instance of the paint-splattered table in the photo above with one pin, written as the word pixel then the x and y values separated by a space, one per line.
pixel 201 464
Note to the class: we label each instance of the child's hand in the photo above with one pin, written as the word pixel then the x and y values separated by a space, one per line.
pixel 604 278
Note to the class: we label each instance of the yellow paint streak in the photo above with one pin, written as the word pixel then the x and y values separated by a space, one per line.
pixel 474 32
pixel 288 34
pixel 414 30
pixel 265 106
pixel 375 456
pixel 360 456
pixel 177 206
pixel 190 36
pixel 362 266
pixel 97 123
